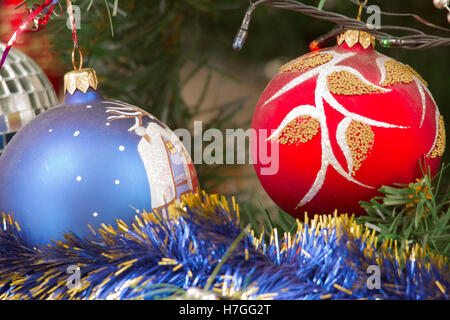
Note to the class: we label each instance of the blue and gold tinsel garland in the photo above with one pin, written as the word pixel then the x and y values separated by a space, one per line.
pixel 195 250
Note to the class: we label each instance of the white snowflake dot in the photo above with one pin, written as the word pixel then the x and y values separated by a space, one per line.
pixel 95 214
pixel 76 133
pixel 89 106
pixel 108 124
pixel 51 130
pixel 79 178
pixel 117 181
pixel 121 148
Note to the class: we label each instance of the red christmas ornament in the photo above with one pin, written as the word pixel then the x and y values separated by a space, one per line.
pixel 345 120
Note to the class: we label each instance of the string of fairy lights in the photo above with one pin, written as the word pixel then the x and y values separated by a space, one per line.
pixel 415 40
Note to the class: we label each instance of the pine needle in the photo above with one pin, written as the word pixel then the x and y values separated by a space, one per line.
pixel 414 213
pixel 110 18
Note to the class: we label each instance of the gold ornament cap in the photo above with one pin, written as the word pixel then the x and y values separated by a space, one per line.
pixel 81 79
pixel 352 37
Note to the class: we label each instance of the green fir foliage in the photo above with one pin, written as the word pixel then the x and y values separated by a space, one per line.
pixel 415 213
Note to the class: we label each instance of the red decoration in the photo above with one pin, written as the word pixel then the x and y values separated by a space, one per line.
pixel 346 121
pixel 314 46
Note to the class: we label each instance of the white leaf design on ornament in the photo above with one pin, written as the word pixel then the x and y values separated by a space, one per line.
pixel 304 110
pixel 380 61
pixel 421 86
pixel 423 99
pixel 126 111
pixel 322 93
pixel 439 131
pixel 342 141
pixel 422 90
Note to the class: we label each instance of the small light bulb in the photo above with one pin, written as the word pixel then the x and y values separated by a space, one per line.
pixel 239 41
pixel 385 43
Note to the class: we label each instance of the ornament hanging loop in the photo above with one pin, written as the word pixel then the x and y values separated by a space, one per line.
pixel 361 5
pixel 80 65
pixel 74 36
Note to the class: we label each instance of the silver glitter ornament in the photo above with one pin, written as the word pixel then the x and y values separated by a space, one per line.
pixel 25 91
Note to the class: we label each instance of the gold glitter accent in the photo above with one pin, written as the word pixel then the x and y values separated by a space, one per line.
pixel 439 148
pixel 397 72
pixel 300 130
pixel 346 83
pixel 414 72
pixel 82 80
pixel 360 139
pixel 306 62
pixel 352 37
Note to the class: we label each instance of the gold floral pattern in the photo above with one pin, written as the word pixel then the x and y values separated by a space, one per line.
pixel 360 139
pixel 397 72
pixel 439 146
pixel 300 130
pixel 346 83
pixel 306 62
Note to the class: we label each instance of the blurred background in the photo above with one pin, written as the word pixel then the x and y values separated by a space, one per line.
pixel 175 59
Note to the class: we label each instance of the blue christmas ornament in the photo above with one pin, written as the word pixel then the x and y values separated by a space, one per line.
pixel 90 161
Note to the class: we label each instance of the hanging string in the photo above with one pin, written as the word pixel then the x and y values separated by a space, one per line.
pixel 361 6
pixel 48 5
pixel 76 49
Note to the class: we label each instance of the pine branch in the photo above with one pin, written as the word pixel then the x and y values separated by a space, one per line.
pixel 415 213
